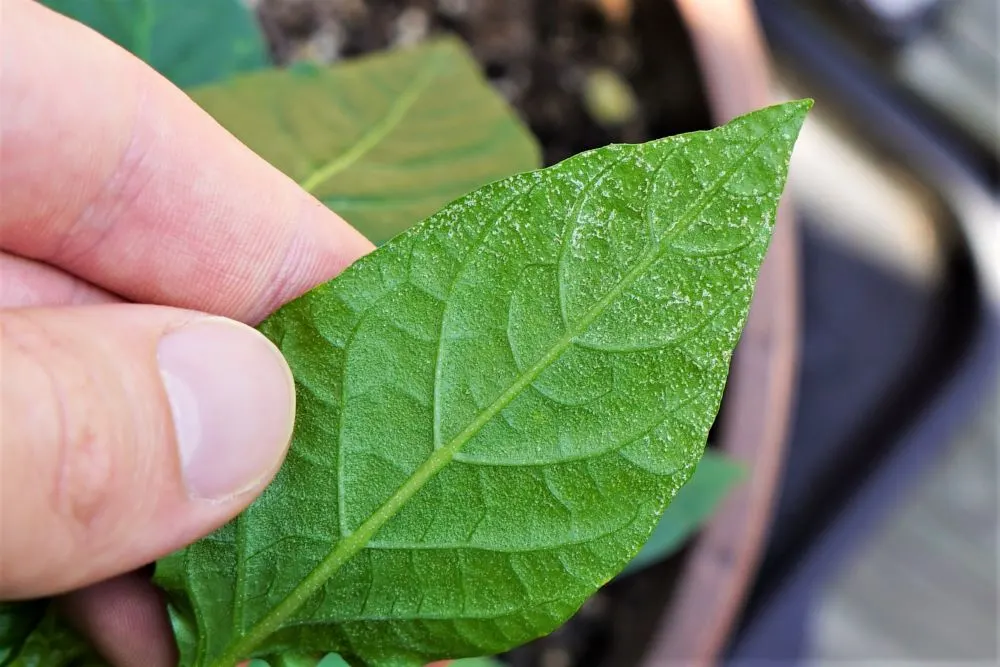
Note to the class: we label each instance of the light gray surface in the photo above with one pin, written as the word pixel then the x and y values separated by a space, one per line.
pixel 956 66
pixel 924 586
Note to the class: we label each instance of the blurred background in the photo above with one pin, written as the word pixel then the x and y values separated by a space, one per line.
pixel 867 528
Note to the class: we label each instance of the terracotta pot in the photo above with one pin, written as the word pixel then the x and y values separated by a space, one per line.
pixel 716 576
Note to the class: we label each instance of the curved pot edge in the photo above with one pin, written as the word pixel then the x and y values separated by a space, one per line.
pixel 755 421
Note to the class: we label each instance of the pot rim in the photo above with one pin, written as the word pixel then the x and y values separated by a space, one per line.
pixel 760 395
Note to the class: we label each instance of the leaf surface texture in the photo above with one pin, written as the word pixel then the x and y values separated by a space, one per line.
pixel 693 506
pixel 495 407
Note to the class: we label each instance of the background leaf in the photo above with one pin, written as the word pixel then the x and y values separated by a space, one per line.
pixel 333 660
pixel 694 505
pixel 384 140
pixel 190 43
pixel 51 643
pixel 17 621
pixel 495 407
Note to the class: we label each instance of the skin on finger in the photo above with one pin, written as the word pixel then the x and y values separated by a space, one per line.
pixel 92 483
pixel 112 174
pixel 27 283
pixel 125 619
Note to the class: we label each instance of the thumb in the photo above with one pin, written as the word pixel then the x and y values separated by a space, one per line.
pixel 126 432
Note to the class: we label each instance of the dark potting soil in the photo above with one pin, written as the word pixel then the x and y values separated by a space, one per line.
pixel 544 57
pixel 540 54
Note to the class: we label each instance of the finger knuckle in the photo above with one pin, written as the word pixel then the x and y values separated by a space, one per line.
pixel 70 434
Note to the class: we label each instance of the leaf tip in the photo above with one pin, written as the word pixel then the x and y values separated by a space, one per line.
pixel 799 109
pixel 804 104
pixel 792 116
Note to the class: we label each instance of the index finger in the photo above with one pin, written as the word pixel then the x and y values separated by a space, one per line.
pixel 110 173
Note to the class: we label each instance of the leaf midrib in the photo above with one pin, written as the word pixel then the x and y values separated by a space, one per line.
pixel 377 132
pixel 349 547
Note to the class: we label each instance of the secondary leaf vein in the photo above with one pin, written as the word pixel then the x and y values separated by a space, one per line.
pixel 348 547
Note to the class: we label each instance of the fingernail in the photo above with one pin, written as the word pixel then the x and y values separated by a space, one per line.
pixel 233 402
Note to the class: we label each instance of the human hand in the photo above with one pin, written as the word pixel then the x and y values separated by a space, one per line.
pixel 133 423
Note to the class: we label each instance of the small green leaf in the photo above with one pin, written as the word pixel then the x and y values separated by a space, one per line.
pixel 384 140
pixel 476 662
pixel 17 621
pixel 189 43
pixel 694 505
pixel 333 660
pixel 51 644
pixel 495 407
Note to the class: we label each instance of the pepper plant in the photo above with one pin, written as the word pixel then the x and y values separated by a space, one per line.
pixel 499 405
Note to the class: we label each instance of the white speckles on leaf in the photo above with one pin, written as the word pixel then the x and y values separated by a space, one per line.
pixel 518 386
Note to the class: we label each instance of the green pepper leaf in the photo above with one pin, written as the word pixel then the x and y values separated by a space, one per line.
pixel 17 621
pixel 476 662
pixel 189 43
pixel 495 407
pixel 384 140
pixel 694 505
pixel 49 643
